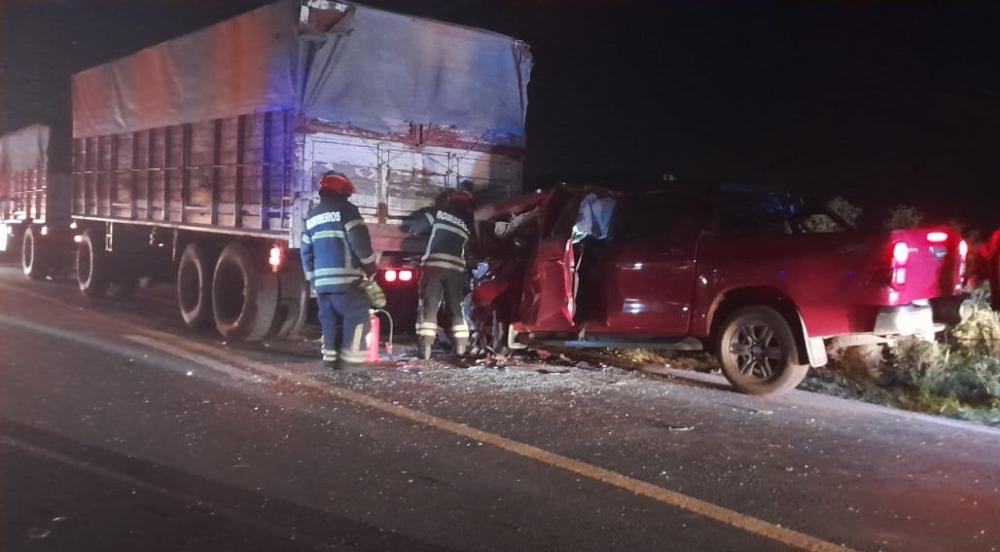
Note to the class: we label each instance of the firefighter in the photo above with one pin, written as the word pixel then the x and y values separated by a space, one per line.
pixel 443 274
pixel 339 263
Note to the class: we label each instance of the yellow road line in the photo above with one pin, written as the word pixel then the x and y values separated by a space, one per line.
pixel 700 507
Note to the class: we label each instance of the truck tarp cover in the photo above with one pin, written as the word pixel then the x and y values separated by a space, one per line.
pixel 22 150
pixel 372 70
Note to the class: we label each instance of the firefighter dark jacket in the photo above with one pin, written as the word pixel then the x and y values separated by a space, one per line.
pixel 336 248
pixel 450 231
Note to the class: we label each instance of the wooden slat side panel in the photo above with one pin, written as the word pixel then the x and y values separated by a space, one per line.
pixel 140 160
pixel 79 187
pixel 233 172
pixel 174 171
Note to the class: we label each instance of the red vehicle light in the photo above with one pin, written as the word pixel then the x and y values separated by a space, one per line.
pixel 963 248
pixel 276 257
pixel 900 253
pixel 899 276
pixel 937 237
pixel 398 275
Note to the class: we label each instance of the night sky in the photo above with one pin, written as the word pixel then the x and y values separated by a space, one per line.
pixel 893 102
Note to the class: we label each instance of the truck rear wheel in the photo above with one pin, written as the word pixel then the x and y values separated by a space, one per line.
pixel 292 303
pixel 244 299
pixel 33 259
pixel 194 287
pixel 92 266
pixel 757 352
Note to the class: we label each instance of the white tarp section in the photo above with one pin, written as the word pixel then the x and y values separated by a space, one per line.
pixel 372 70
pixel 23 150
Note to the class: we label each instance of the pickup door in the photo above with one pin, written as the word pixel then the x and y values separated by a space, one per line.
pixel 547 302
pixel 650 267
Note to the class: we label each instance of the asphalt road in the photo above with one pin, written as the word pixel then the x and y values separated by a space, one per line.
pixel 119 430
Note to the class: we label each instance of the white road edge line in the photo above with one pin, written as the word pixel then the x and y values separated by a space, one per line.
pixel 196 359
pixel 690 504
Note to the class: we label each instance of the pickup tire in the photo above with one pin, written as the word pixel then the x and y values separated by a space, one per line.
pixel 244 299
pixel 757 352
pixel 194 287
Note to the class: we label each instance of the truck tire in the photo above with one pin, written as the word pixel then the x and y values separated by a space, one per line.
pixel 244 299
pixel 757 352
pixel 292 303
pixel 14 242
pixel 194 287
pixel 93 266
pixel 33 258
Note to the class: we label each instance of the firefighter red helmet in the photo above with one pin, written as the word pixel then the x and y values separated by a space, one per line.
pixel 462 198
pixel 337 183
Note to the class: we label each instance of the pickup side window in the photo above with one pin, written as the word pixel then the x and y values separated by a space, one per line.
pixel 751 212
pixel 652 217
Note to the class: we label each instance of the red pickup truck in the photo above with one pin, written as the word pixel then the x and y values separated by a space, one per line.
pixel 733 269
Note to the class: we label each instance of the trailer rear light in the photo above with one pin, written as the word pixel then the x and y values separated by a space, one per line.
pixel 900 256
pixel 398 275
pixel 276 257
pixel 937 237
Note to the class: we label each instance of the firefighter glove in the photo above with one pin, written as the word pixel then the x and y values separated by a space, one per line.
pixel 374 293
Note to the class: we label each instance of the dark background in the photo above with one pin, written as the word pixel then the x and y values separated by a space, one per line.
pixel 885 103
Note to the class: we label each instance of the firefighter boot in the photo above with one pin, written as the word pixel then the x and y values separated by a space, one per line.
pixel 424 344
pixel 461 346
pixel 330 360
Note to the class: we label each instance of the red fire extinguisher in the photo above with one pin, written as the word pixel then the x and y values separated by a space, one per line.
pixel 373 337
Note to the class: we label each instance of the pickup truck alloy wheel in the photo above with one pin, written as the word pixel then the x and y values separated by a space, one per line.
pixel 92 266
pixel 32 262
pixel 244 298
pixel 758 354
pixel 194 286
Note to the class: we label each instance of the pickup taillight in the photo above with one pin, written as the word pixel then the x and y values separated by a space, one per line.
pixel 900 256
pixel 963 256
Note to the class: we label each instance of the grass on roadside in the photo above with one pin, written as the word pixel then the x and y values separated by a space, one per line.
pixel 957 377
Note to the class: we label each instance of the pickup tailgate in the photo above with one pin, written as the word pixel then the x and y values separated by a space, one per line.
pixel 933 264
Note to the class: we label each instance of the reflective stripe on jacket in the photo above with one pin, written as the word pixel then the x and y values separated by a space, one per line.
pixel 450 233
pixel 336 248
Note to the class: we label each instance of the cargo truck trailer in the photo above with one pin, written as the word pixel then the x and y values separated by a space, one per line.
pixel 195 160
